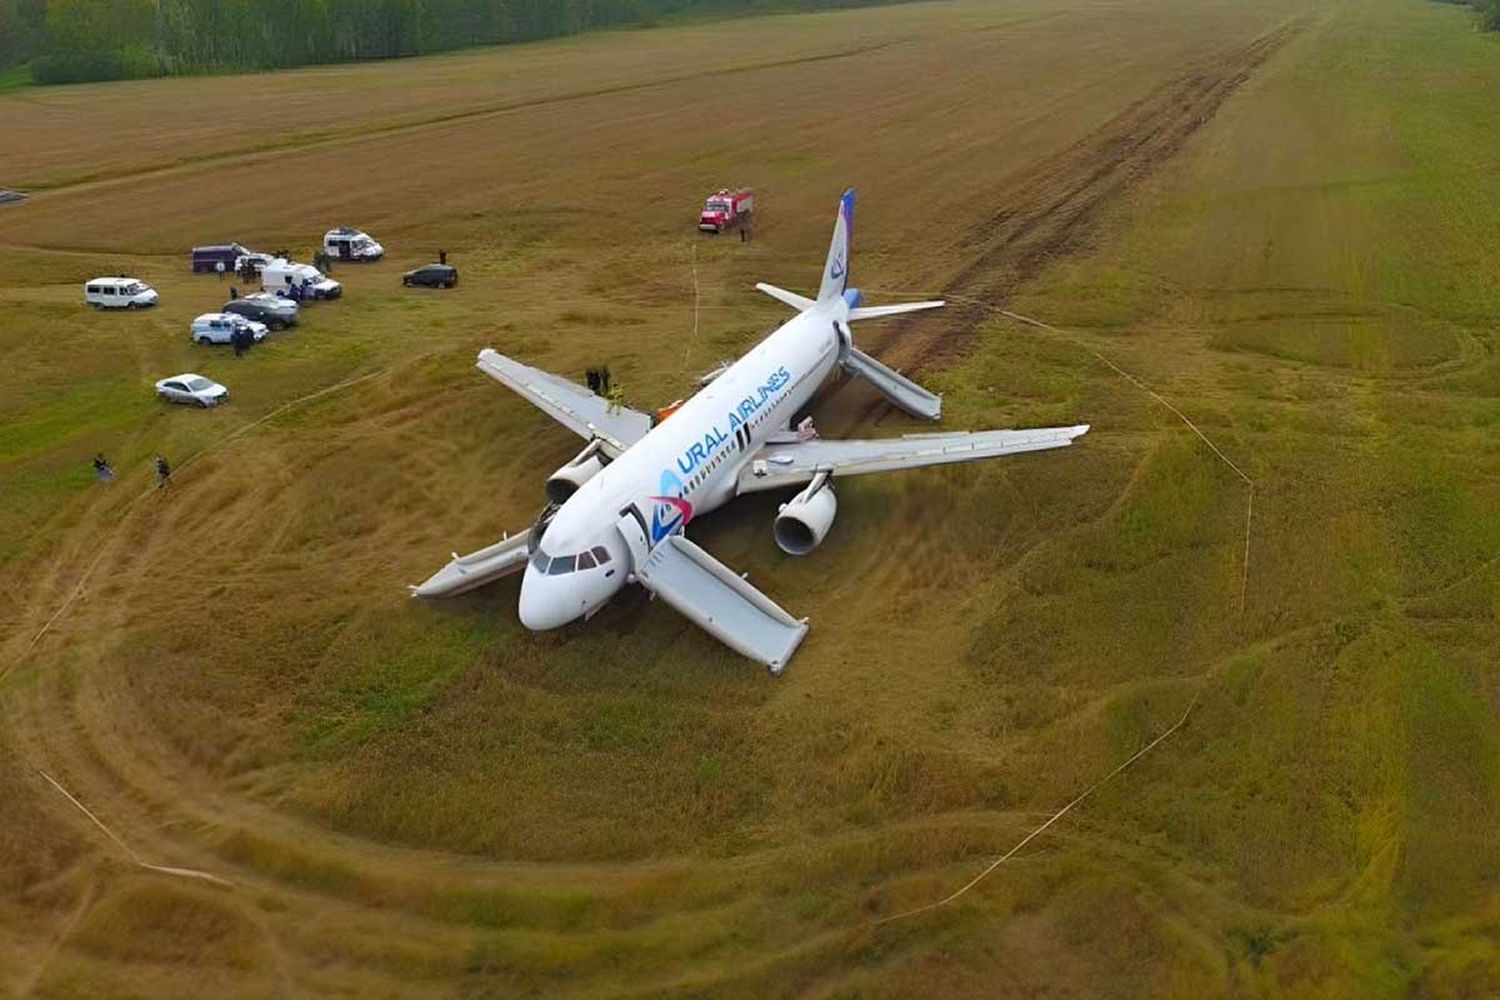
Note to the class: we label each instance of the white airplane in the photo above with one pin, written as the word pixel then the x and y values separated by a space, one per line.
pixel 618 510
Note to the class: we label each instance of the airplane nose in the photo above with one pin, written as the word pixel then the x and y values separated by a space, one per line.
pixel 542 606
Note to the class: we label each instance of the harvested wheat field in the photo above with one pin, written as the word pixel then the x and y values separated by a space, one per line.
pixel 1255 246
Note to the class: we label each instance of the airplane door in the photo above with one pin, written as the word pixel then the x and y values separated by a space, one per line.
pixel 632 528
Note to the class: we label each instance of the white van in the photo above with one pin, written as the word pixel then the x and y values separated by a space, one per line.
pixel 298 281
pixel 119 293
pixel 346 243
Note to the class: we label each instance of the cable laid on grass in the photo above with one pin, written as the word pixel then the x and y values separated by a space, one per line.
pixel 88 571
pixel 1050 820
pixel 129 851
pixel 1135 381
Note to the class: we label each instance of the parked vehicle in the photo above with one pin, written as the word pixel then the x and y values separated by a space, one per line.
pixel 263 307
pixel 726 209
pixel 252 259
pixel 432 275
pixel 282 275
pixel 218 257
pixel 190 388
pixel 346 243
pixel 119 293
pixel 219 328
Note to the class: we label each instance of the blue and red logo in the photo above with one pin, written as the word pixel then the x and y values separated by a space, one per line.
pixel 671 512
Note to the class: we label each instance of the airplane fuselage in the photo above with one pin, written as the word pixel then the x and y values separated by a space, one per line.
pixel 687 465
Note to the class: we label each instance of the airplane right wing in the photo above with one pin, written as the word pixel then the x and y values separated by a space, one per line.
pixel 570 404
pixel 793 464
pixel 466 572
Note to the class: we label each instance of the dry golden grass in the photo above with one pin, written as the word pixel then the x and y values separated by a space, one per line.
pixel 412 799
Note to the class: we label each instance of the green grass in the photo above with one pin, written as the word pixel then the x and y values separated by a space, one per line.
pixel 428 798
pixel 15 78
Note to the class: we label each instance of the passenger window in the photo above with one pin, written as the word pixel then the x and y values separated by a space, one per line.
pixel 561 565
pixel 585 560
pixel 601 554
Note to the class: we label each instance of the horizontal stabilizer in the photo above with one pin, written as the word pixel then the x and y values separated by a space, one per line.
pixel 720 602
pixel 876 312
pixel 900 390
pixel 801 303
pixel 477 568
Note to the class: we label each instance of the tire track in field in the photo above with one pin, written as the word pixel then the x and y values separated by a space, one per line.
pixel 1053 209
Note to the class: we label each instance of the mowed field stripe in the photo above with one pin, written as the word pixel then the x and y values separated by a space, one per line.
pixel 303 141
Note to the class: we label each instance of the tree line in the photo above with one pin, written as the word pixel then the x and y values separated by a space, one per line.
pixel 1488 11
pixel 68 41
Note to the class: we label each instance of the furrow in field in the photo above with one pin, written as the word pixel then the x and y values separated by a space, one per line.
pixel 1053 208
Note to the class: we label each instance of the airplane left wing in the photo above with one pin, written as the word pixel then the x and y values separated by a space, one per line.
pixel 570 404
pixel 777 465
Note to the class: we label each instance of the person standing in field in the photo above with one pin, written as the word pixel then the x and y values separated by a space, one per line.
pixel 102 470
pixel 163 473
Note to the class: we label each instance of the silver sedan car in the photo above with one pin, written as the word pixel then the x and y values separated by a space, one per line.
pixel 190 388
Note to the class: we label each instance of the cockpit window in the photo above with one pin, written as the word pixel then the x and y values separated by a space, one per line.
pixel 540 560
pixel 561 565
pixel 601 554
pixel 585 560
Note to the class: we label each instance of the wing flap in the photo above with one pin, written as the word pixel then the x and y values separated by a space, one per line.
pixel 793 464
pixel 570 404
pixel 720 602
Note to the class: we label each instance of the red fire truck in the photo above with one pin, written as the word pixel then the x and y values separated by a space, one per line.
pixel 726 209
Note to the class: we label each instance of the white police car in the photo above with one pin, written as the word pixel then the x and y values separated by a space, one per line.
pixel 219 328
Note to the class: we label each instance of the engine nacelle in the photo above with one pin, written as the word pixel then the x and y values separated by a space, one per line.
pixel 566 480
pixel 804 520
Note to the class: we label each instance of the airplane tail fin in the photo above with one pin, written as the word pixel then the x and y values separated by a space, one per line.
pixel 836 269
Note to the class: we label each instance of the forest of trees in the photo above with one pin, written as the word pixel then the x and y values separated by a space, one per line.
pixel 68 41
pixel 1488 11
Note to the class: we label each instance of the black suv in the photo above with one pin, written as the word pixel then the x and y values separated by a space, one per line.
pixel 275 317
pixel 432 275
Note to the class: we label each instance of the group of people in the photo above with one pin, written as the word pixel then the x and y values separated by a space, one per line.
pixel 601 384
pixel 105 472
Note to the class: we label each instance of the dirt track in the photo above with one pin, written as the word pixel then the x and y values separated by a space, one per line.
pixel 1051 209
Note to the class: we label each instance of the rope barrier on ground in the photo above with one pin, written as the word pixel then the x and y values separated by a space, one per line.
pixel 1139 384
pixel 129 851
pixel 212 446
pixel 989 869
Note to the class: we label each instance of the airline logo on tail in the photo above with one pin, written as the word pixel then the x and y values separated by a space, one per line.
pixel 837 269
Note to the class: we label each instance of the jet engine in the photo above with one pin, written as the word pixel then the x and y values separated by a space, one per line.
pixel 804 520
pixel 580 469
